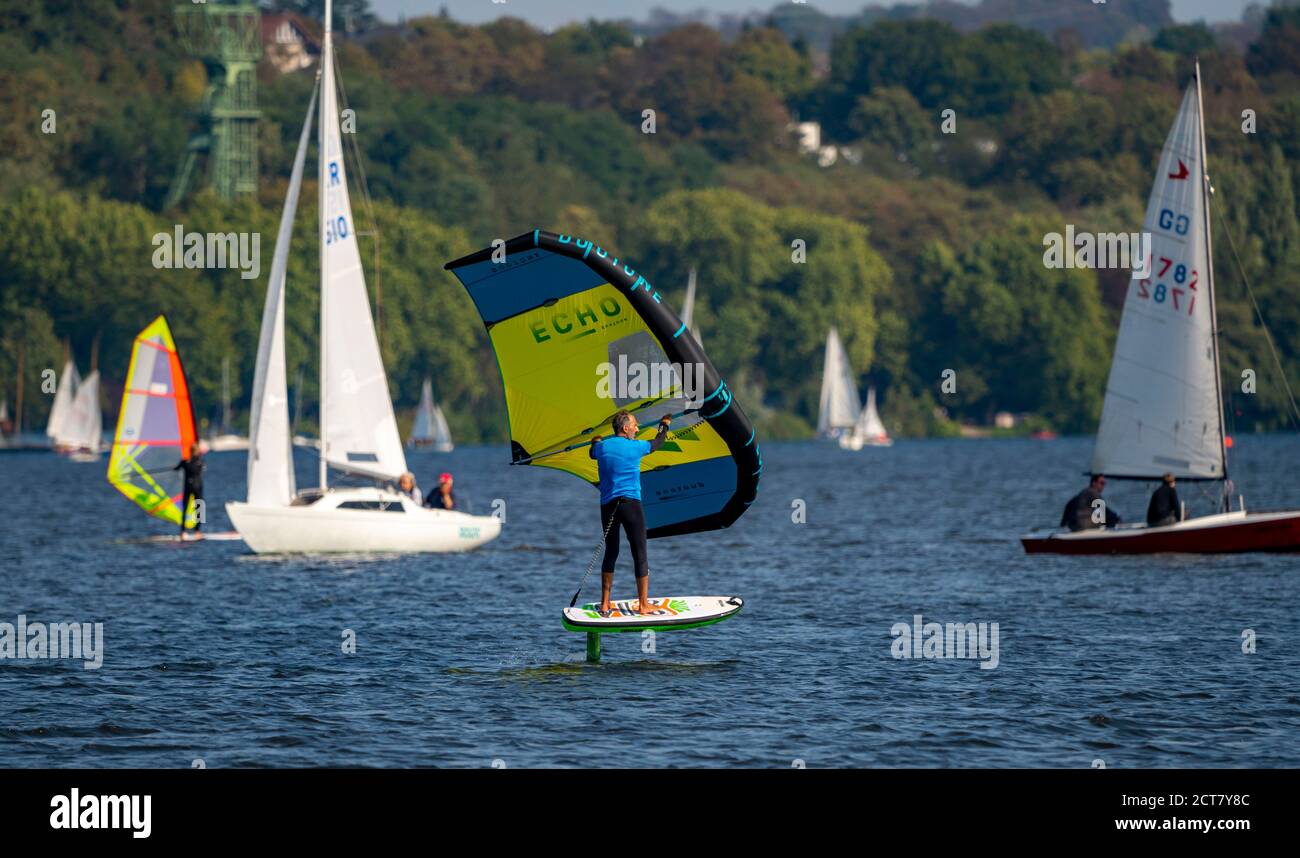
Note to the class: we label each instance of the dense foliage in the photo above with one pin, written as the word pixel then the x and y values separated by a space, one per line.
pixel 923 247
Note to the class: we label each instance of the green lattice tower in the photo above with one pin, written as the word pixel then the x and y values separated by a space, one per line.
pixel 227 37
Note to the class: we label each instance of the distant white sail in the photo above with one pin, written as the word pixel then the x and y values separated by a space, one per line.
pixel 1162 411
pixel 359 431
pixel 62 406
pixel 84 428
pixel 441 431
pixel 270 450
pixel 869 424
pixel 839 400
pixel 422 430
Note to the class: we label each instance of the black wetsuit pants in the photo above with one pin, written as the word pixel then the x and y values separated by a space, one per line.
pixel 627 513
pixel 195 492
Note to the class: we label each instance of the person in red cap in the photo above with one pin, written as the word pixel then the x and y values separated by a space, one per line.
pixel 442 497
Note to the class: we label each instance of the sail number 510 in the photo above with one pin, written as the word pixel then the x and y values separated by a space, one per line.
pixel 336 230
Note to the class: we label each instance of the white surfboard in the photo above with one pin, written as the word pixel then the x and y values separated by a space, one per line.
pixel 671 612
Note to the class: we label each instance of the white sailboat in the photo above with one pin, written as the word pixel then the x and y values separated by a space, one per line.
pixel 62 405
pixel 688 309
pixel 226 440
pixel 839 410
pixel 869 428
pixel 82 434
pixel 430 429
pixel 1163 411
pixel 358 430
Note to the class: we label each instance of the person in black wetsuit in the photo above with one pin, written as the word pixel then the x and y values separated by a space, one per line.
pixel 1078 512
pixel 618 462
pixel 1164 508
pixel 193 468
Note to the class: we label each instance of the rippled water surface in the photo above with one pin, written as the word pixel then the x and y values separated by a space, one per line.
pixel 213 653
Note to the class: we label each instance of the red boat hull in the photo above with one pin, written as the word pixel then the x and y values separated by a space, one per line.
pixel 1217 534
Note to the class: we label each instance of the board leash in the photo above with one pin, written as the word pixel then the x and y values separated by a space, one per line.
pixel 596 553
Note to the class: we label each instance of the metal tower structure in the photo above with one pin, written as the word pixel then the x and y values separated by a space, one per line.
pixel 227 37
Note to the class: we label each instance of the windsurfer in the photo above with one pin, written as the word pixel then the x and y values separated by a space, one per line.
pixel 618 463
pixel 1164 508
pixel 193 468
pixel 1079 511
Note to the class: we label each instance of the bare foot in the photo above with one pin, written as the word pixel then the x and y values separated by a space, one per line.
pixel 643 610
pixel 604 607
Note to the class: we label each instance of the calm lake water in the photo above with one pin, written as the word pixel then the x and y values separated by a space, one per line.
pixel 212 653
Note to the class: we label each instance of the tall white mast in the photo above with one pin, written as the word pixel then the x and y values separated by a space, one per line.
pixel 1209 257
pixel 327 80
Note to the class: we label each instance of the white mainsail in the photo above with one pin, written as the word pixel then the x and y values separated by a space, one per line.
pixel 688 308
pixel 270 448
pixel 1162 411
pixel 839 400
pixel 84 428
pixel 358 428
pixel 62 407
pixel 869 425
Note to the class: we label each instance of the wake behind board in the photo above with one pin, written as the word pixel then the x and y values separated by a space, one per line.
pixel 157 539
pixel 671 613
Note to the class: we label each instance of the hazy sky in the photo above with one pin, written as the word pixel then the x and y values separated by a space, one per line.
pixel 552 12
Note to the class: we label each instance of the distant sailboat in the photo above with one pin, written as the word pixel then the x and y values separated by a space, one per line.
pixel 688 309
pixel 226 440
pixel 61 408
pixel 841 417
pixel 358 430
pixel 82 434
pixel 1163 411
pixel 869 427
pixel 430 429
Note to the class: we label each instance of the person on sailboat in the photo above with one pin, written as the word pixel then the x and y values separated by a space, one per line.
pixel 193 468
pixel 1078 512
pixel 618 463
pixel 1164 508
pixel 406 485
pixel 442 497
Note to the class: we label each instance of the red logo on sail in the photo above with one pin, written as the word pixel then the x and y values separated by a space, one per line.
pixel 1182 171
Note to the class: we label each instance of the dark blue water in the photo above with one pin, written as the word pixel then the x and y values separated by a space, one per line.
pixel 214 654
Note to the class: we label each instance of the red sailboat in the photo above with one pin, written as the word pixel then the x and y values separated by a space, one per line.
pixel 1163 411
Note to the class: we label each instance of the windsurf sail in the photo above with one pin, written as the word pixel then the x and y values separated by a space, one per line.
pixel 155 428
pixel 688 308
pixel 573 326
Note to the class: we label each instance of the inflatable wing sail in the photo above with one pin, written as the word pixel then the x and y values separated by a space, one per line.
pixel 580 335
pixel 155 427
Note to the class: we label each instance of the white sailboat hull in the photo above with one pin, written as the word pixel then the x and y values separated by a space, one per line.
pixel 390 523
pixel 227 443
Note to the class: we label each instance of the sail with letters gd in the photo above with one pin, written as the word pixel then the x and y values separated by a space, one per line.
pixel 557 309
pixel 1163 409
